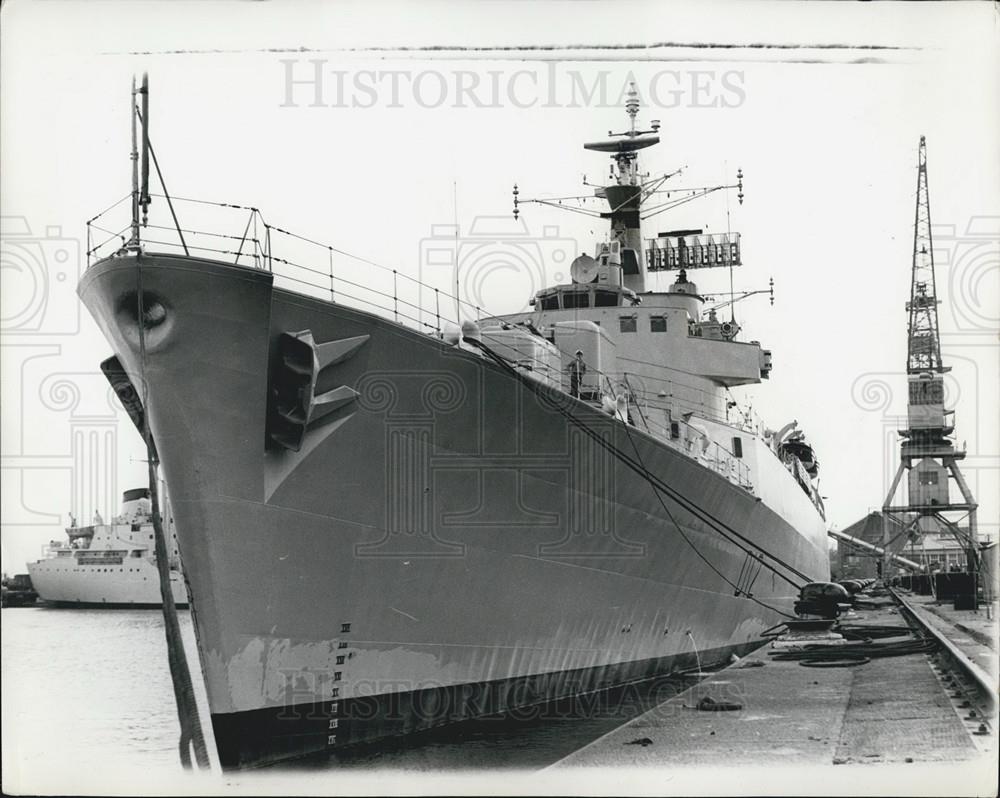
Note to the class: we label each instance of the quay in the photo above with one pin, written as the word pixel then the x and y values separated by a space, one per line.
pixel 17 591
pixel 971 633
pixel 901 709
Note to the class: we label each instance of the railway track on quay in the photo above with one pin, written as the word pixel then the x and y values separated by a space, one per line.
pixel 971 691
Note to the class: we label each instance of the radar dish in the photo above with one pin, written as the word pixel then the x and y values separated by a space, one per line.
pixel 584 269
pixel 628 144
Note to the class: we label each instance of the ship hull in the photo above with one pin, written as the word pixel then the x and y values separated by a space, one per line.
pixel 132 585
pixel 449 541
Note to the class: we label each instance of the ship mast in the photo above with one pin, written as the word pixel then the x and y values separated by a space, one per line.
pixel 140 188
pixel 633 197
pixel 133 243
pixel 625 196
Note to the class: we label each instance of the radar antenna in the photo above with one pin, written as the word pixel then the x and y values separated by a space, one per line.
pixel 630 196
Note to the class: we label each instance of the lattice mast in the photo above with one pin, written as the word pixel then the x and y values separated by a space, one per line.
pixel 924 347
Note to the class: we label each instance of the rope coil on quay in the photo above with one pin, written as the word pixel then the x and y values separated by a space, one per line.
pixel 860 652
pixel 810 654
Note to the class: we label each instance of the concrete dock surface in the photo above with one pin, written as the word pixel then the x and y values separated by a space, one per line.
pixel 889 710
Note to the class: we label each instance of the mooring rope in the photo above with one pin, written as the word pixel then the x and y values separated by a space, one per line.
pixel 657 486
pixel 180 675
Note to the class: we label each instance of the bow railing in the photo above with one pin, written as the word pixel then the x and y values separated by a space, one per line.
pixel 242 236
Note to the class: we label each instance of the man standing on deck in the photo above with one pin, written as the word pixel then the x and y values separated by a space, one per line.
pixel 577 368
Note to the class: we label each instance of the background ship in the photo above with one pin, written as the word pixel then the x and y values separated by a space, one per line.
pixel 108 565
pixel 390 522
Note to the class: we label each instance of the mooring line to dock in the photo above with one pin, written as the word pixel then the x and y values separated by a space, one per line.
pixel 180 674
pixel 187 707
pixel 658 486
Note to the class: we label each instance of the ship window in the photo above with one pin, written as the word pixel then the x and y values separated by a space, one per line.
pixel 657 324
pixel 576 300
pixel 627 324
pixel 675 430
pixel 550 303
pixel 737 447
pixel 605 299
pixel 630 262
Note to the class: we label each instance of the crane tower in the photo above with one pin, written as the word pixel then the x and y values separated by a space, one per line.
pixel 928 456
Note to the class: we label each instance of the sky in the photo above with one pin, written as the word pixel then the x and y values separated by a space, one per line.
pixel 821 105
pixel 312 113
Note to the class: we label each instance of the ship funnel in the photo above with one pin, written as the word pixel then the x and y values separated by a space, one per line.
pixel 135 502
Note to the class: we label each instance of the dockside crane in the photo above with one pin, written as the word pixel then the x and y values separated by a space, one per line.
pixel 928 455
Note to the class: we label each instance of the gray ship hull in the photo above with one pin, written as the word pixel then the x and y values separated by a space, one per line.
pixel 449 540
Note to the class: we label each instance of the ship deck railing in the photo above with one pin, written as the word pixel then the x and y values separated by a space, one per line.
pixel 715 457
pixel 241 235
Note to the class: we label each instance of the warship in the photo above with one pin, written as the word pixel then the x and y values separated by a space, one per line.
pixel 391 519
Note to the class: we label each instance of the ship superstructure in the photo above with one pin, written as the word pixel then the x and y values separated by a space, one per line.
pixel 391 521
pixel 662 355
pixel 108 565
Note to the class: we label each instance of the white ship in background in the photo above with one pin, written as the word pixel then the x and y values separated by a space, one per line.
pixel 109 565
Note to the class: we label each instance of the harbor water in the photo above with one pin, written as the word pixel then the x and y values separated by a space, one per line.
pixel 88 707
pixel 87 697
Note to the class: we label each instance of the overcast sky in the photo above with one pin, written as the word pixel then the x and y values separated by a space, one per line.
pixel 823 115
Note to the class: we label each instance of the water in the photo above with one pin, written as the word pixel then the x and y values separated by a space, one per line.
pixel 88 707
pixel 87 697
